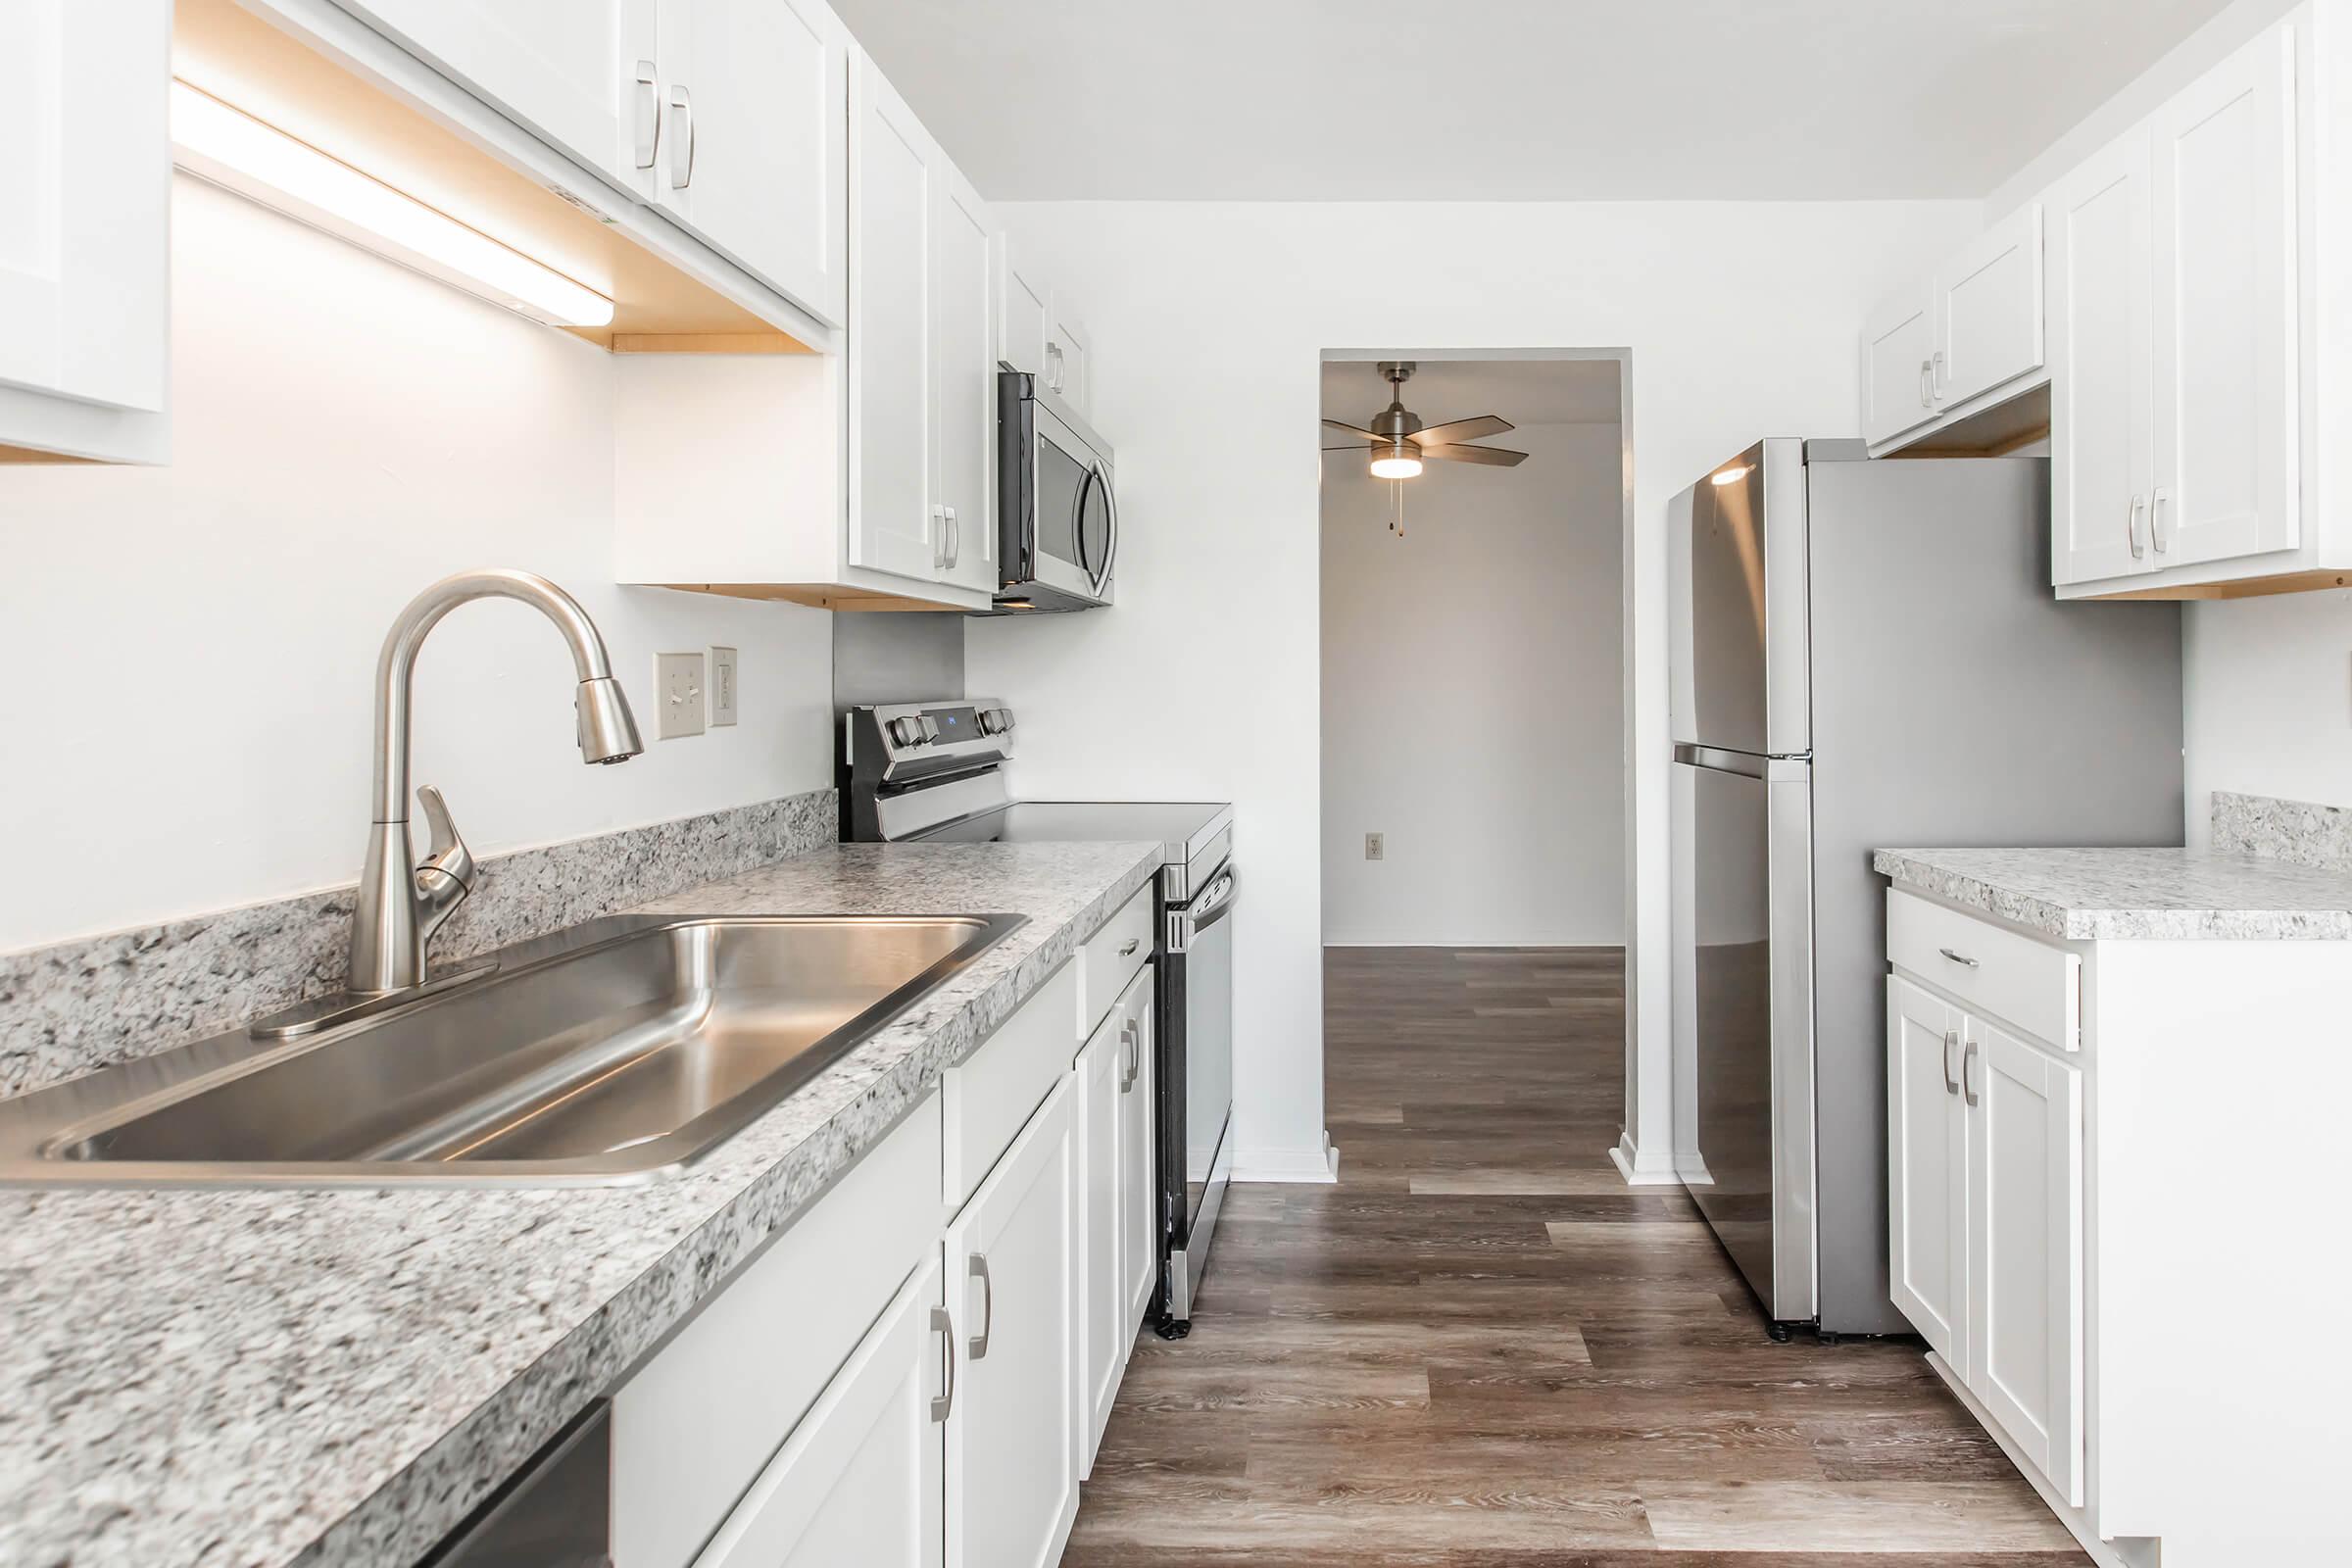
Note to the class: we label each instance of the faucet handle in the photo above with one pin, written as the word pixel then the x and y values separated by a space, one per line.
pixel 446 855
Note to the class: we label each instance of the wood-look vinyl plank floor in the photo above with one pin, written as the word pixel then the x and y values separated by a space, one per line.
pixel 1481 1350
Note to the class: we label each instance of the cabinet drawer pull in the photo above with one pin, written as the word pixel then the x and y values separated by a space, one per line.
pixel 1958 958
pixel 1951 1038
pixel 945 1327
pixel 681 139
pixel 648 115
pixel 978 1269
pixel 1128 947
pixel 1968 1090
pixel 1131 1036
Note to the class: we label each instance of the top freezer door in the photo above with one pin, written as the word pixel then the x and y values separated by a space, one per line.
pixel 1740 632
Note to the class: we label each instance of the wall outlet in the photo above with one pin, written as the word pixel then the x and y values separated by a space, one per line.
pixel 723 686
pixel 678 684
pixel 1376 846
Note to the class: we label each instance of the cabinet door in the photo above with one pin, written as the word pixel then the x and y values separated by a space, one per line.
pixel 1138 1186
pixel 2025 1213
pixel 1102 1268
pixel 1898 350
pixel 1012 1442
pixel 1988 310
pixel 963 381
pixel 1067 363
pixel 891 212
pixel 863 1478
pixel 1021 312
pixel 2225 360
pixel 84 282
pixel 568 71
pixel 754 125
pixel 2102 441
pixel 1927 1168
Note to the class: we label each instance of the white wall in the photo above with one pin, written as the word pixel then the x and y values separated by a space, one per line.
pixel 186 653
pixel 1473 694
pixel 2267 700
pixel 1209 321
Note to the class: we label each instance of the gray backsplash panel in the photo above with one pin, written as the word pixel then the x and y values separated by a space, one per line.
pixel 80 1006
pixel 897 655
pixel 2295 831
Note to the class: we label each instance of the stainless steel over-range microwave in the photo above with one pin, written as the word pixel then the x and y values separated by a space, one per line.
pixel 1058 519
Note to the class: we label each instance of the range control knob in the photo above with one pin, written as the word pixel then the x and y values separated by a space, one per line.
pixel 930 729
pixel 906 731
pixel 995 721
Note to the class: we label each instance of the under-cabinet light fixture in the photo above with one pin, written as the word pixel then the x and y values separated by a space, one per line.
pixel 222 144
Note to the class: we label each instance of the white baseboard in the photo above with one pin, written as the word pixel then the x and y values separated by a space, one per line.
pixel 1641 1172
pixel 1297 1166
pixel 2078 1522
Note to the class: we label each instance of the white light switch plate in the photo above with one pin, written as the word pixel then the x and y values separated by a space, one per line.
pixel 678 687
pixel 723 695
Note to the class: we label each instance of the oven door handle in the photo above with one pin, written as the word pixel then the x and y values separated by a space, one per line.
pixel 1214 904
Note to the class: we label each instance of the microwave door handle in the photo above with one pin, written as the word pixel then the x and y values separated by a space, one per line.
pixel 1110 511
pixel 1078 519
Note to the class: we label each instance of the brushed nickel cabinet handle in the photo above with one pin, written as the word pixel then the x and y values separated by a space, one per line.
pixel 2156 520
pixel 681 139
pixel 1958 958
pixel 648 115
pixel 1128 947
pixel 945 1327
pixel 1968 1090
pixel 977 1268
pixel 1951 1038
pixel 2139 504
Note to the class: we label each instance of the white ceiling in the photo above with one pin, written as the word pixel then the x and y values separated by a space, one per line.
pixel 1522 391
pixel 1505 99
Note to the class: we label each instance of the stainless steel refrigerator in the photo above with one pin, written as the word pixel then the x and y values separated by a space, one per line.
pixel 1865 653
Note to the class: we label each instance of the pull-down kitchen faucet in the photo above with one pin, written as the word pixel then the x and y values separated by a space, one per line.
pixel 399 906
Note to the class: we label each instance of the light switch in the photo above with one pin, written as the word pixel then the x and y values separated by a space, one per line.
pixel 723 686
pixel 1376 846
pixel 678 688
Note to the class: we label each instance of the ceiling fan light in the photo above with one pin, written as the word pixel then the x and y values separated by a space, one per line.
pixel 1396 461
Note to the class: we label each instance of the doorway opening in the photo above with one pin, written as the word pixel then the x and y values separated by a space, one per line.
pixel 1475 843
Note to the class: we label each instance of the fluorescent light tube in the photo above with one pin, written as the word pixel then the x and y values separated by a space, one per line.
pixel 232 149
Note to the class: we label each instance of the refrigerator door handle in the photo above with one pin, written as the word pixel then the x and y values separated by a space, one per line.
pixel 1746 763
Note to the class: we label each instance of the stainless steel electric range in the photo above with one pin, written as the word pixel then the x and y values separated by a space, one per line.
pixel 934 772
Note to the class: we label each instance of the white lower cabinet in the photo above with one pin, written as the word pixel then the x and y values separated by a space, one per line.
pixel 2025 1247
pixel 1926 1167
pixel 1101 1341
pixel 863 1479
pixel 1139 1183
pixel 1013 1440
pixel 1985 1214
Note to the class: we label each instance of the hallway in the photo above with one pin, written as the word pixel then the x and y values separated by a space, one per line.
pixel 1481 1348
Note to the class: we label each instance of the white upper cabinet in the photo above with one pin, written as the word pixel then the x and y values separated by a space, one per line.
pixel 1989 326
pixel 84 266
pixel 2102 440
pixel 1898 368
pixel 892 170
pixel 1949 348
pixel 753 124
pixel 2225 360
pixel 963 383
pixel 568 71
pixel 1022 309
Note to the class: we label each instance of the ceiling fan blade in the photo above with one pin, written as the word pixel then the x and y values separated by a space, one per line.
pixel 1458 430
pixel 1347 446
pixel 1342 425
pixel 1493 456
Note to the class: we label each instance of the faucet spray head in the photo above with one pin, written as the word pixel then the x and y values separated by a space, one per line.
pixel 608 732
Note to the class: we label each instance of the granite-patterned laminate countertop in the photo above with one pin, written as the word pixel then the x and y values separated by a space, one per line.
pixel 2147 895
pixel 252 1378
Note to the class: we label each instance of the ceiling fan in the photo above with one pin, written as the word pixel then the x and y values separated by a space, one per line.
pixel 1399 441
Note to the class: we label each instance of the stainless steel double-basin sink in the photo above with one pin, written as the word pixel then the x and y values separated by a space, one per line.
pixel 613 1052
